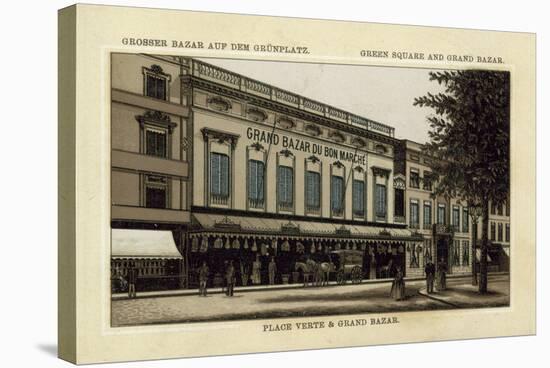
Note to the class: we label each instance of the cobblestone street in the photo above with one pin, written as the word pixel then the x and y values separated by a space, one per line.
pixel 311 301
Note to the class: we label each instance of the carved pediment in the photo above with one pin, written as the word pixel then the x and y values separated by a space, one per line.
pixel 337 136
pixel 286 123
pixel 313 130
pixel 359 142
pixel 256 114
pixel 399 181
pixel 219 103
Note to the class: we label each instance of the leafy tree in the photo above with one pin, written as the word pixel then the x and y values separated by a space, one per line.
pixel 469 139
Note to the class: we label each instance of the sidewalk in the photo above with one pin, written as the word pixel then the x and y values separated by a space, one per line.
pixel 468 296
pixel 240 289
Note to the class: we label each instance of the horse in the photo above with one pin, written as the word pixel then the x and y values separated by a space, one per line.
pixel 322 271
pixel 315 273
pixel 308 271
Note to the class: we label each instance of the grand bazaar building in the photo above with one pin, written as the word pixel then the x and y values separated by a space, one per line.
pixel 212 166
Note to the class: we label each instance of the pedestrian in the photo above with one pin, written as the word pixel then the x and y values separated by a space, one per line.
pixel 256 268
pixel 429 270
pixel 272 269
pixel 230 279
pixel 441 275
pixel 398 286
pixel 132 279
pixel 204 272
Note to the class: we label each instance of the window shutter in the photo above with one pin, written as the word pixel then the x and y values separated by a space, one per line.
pixel 260 180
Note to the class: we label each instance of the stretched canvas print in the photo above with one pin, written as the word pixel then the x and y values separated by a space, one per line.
pixel 306 192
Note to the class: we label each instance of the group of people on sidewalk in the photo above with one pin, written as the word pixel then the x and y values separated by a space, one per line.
pixel 230 278
pixel 438 278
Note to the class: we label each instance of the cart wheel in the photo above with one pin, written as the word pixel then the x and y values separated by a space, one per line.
pixel 340 277
pixel 356 275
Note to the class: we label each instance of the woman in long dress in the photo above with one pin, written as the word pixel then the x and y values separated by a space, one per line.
pixel 256 271
pixel 398 286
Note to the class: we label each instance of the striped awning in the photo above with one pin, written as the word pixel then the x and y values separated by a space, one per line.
pixel 215 223
pixel 143 244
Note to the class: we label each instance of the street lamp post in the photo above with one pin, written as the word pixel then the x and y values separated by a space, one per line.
pixel 475 213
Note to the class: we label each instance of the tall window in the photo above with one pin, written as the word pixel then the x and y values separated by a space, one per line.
pixel 155 142
pixel 414 179
pixel 380 204
pixel 255 184
pixel 507 205
pixel 465 220
pixel 499 232
pixel 507 238
pixel 499 210
pixel 156 87
pixel 337 195
pixel 285 188
pixel 427 215
pixel 427 182
pixel 456 218
pixel 313 192
pixel 441 214
pixel 219 178
pixel 399 203
pixel 414 215
pixel 359 198
pixel 493 231
pixel 155 191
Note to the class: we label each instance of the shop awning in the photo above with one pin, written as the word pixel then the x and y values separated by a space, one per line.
pixel 478 255
pixel 143 244
pixel 215 223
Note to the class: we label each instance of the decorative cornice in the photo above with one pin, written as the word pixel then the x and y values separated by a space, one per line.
pixel 157 118
pixel 313 159
pixel 289 110
pixel 338 164
pixel 380 171
pixel 220 136
pixel 257 146
pixel 286 152
pixel 358 169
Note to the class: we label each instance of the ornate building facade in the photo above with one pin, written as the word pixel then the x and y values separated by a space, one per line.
pixel 242 171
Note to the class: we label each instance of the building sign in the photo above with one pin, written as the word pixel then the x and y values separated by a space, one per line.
pixel 299 144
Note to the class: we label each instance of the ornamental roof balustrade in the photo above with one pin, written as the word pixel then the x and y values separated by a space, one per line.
pixel 237 81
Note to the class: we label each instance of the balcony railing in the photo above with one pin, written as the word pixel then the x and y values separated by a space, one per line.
pixel 286 206
pixel 255 203
pixel 427 226
pixel 242 83
pixel 400 219
pixel 313 210
pixel 219 199
pixel 338 212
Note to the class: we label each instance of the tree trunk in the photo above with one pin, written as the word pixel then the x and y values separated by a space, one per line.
pixel 484 248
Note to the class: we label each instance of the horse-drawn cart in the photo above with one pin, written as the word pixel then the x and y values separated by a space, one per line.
pixel 348 265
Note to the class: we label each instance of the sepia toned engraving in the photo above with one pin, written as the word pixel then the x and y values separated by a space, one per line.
pixel 236 199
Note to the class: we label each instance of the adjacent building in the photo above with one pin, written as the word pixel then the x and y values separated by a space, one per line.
pixel 237 170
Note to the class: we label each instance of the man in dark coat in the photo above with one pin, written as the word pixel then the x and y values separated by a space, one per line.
pixel 429 270
pixel 272 270
pixel 132 279
pixel 203 279
pixel 230 279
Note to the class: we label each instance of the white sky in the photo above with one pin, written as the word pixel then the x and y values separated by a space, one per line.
pixel 384 94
